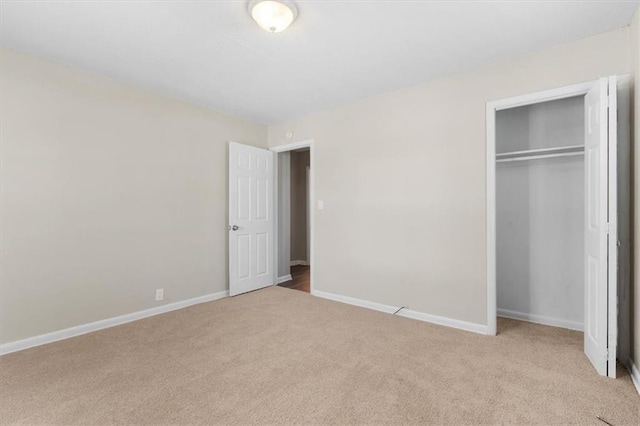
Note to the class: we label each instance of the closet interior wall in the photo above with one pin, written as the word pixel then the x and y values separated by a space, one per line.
pixel 540 214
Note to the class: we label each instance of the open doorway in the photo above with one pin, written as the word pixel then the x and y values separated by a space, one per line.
pixel 260 213
pixel 294 216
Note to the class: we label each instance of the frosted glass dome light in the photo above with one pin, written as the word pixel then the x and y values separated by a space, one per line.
pixel 273 16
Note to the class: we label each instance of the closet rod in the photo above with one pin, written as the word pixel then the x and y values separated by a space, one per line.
pixel 539 157
pixel 541 150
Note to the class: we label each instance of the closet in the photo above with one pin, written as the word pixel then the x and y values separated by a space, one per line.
pixel 558 213
pixel 540 212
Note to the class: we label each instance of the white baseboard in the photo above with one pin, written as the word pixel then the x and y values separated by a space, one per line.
pixel 407 313
pixel 448 322
pixel 106 323
pixel 284 279
pixel 356 302
pixel 539 319
pixel 635 375
pixel 298 262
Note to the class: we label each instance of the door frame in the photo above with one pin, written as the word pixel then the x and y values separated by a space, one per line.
pixel 311 210
pixel 493 107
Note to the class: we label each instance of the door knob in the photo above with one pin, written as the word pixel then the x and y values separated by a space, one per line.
pixel 233 228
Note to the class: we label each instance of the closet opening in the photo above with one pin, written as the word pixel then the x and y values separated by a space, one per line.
pixel 540 209
pixel 558 214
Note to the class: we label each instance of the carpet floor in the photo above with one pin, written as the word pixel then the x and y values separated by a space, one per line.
pixel 280 356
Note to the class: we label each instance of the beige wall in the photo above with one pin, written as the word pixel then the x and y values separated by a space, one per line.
pixel 635 309
pixel 299 164
pixel 402 177
pixel 108 192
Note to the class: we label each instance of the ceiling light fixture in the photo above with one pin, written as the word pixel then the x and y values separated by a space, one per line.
pixel 273 16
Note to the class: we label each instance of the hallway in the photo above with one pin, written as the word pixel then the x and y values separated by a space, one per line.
pixel 301 279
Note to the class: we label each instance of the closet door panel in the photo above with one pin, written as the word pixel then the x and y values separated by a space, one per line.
pixel 596 226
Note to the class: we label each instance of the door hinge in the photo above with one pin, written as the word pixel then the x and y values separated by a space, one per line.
pixel 610 228
pixel 609 355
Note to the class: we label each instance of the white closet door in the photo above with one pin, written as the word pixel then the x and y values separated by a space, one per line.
pixel 251 222
pixel 612 323
pixel 597 172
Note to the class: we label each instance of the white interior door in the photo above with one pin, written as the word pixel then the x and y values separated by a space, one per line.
pixel 251 221
pixel 599 220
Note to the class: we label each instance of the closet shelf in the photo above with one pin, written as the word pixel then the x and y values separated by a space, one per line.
pixel 536 154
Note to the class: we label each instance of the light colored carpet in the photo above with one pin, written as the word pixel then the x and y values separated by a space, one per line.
pixel 283 356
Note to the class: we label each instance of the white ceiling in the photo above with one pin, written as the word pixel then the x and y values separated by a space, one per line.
pixel 212 53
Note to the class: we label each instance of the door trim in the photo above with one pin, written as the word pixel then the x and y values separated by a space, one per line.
pixel 490 178
pixel 291 147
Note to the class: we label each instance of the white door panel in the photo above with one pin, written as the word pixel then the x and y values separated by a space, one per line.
pixel 251 222
pixel 597 226
pixel 612 299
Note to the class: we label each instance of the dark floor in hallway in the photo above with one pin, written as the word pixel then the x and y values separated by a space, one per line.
pixel 301 280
